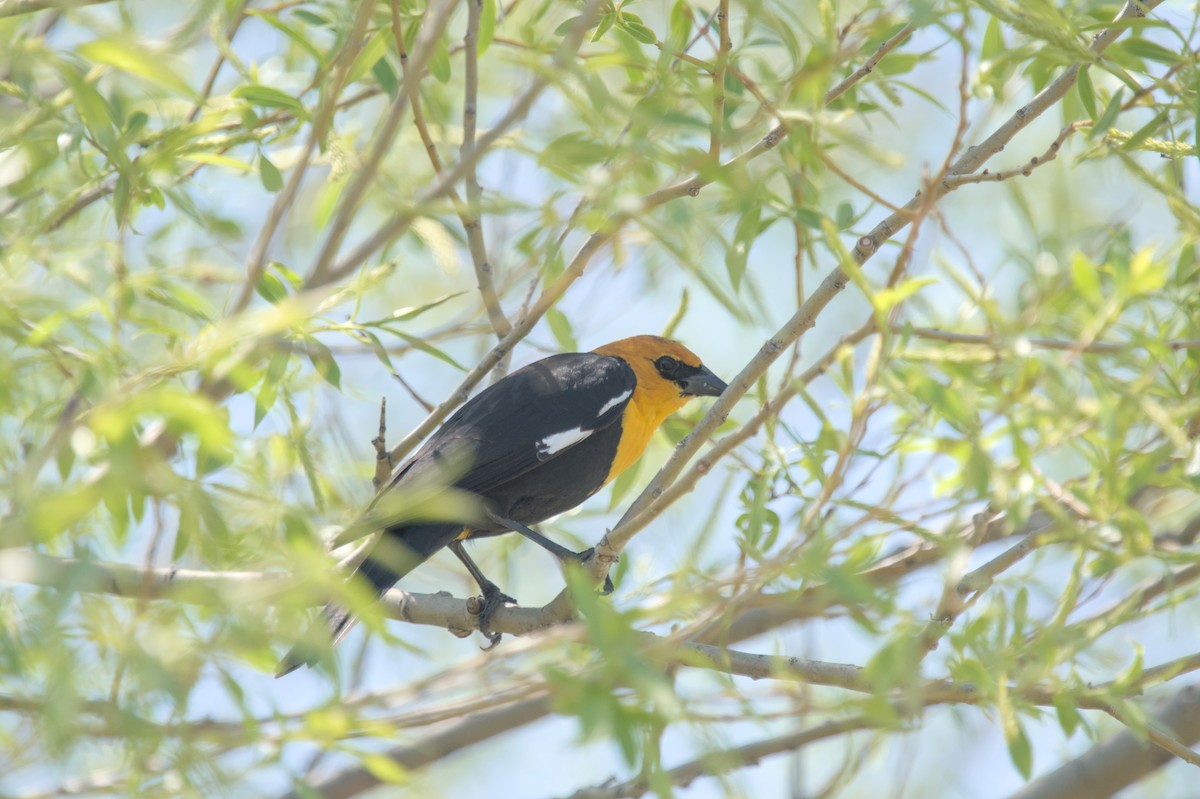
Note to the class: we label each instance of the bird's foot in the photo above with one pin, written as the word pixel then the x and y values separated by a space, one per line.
pixel 583 557
pixel 491 600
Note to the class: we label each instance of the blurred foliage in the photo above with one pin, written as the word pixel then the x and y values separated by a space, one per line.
pixel 170 399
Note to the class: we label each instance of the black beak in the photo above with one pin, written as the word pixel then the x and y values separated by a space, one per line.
pixel 702 384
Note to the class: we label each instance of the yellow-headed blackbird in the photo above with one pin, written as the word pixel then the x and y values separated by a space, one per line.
pixel 536 444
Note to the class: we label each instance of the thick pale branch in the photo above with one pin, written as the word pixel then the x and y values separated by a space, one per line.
pixel 445 611
pixel 232 588
pixel 1122 760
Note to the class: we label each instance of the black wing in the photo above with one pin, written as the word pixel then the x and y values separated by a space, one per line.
pixel 526 419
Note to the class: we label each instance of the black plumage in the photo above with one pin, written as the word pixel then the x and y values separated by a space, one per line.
pixel 507 435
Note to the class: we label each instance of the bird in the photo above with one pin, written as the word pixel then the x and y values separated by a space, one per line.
pixel 532 445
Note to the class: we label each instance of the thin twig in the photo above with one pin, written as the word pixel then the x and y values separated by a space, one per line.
pixel 256 260
pixel 472 215
pixel 231 30
pixel 996 343
pixel 984 176
pixel 399 223
pixel 718 103
pixel 433 24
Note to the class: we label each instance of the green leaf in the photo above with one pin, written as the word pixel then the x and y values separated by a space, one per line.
pixel 135 59
pixel 677 317
pixel 428 348
pixel 1109 116
pixel 889 298
pixel 1196 126
pixel 292 32
pixel 808 217
pixel 565 26
pixel 560 326
pixel 624 483
pixel 135 124
pixel 993 41
pixel 324 362
pixel 388 80
pixel 843 217
pixel 1140 137
pixel 1086 277
pixel 439 62
pixel 412 312
pixel 606 22
pixel 264 399
pixel 1127 679
pixel 745 233
pixel 311 17
pixel 637 30
pixel 1021 753
pixel 487 26
pixel 900 63
pixel 571 153
pixel 1087 92
pixel 1152 51
pixel 270 97
pixel 217 159
pixel 371 52
pixel 385 769
pixel 381 353
pixel 271 179
pixel 92 108
pixel 680 25
pixel 122 199
pixel 180 297
pixel 1068 714
pixel 271 288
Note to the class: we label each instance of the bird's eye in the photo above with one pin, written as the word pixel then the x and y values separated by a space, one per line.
pixel 667 366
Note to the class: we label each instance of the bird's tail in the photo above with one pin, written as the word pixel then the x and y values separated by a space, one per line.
pixel 382 569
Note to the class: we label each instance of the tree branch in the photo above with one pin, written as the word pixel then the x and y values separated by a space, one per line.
pixel 256 259
pixel 472 215
pixel 1122 760
pixel 997 343
pixel 590 247
pixel 726 760
pixel 717 126
pixel 433 23
pixel 805 317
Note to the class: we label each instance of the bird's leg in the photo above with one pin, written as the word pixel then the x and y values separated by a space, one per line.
pixel 553 547
pixel 493 597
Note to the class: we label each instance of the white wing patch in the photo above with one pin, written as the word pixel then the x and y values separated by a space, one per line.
pixel 614 402
pixel 555 443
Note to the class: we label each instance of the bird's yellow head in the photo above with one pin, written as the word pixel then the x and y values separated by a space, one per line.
pixel 668 374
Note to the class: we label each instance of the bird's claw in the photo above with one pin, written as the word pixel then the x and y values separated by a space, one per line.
pixel 584 556
pixel 491 600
